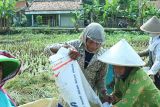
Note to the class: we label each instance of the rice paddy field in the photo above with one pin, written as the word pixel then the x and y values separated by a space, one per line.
pixel 35 80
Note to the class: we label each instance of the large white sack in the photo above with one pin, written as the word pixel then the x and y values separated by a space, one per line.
pixel 73 86
pixel 68 79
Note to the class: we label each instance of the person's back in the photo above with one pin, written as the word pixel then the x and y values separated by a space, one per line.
pixel 138 90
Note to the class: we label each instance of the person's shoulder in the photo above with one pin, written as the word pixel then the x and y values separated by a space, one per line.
pixel 138 70
pixel 139 73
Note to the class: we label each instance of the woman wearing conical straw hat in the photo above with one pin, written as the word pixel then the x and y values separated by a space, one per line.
pixel 9 67
pixel 152 26
pixel 133 87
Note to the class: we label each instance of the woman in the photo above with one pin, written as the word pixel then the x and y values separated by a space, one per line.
pixel 152 26
pixel 133 87
pixel 9 67
pixel 85 51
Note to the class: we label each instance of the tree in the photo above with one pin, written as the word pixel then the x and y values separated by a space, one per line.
pixel 93 12
pixel 111 11
pixel 134 11
pixel 76 20
pixel 6 13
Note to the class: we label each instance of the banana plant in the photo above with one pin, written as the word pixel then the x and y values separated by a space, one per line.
pixel 93 12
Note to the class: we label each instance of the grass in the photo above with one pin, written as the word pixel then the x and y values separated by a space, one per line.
pixel 27 87
pixel 36 81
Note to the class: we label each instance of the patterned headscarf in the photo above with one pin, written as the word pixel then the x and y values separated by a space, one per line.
pixel 95 32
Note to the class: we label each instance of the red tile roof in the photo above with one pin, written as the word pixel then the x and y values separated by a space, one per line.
pixel 54 6
pixel 20 4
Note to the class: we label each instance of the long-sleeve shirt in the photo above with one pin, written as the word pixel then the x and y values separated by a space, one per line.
pixel 138 90
pixel 155 54
pixel 5 100
pixel 95 70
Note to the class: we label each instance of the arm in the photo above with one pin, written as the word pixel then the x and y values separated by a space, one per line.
pixel 156 65
pixel 100 82
pixel 116 95
pixel 52 49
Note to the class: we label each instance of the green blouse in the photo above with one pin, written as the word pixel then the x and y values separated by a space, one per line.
pixel 138 90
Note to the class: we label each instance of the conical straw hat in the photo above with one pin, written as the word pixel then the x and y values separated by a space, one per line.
pixel 151 26
pixel 121 54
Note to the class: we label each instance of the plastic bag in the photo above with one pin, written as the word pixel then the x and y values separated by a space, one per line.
pixel 73 86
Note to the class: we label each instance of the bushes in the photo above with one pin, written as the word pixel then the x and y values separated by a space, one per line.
pixel 39 20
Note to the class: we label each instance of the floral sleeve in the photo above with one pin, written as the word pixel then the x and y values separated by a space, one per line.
pixel 132 93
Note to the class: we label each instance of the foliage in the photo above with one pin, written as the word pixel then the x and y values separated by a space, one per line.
pixel 39 20
pixel 28 87
pixel 77 18
pixel 7 8
pixel 139 10
pixel 20 21
pixel 148 10
pixel 24 20
pixel 6 11
pixel 132 10
pixel 93 12
pixel 111 9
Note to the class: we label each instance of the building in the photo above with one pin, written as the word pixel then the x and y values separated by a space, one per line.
pixel 54 13
pixel 20 13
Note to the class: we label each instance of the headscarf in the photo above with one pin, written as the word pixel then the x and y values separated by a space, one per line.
pixel 95 32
